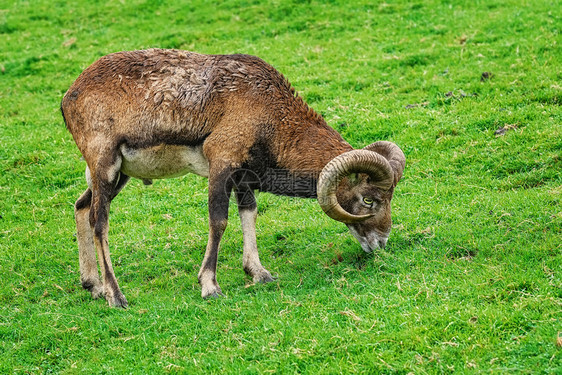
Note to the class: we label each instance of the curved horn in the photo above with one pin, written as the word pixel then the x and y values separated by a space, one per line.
pixel 393 154
pixel 356 161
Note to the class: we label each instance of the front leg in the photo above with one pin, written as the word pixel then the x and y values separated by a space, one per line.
pixel 247 209
pixel 219 195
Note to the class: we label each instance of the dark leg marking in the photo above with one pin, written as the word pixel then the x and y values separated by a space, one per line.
pixel 219 194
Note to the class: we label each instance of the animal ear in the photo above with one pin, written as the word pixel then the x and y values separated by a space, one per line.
pixel 393 154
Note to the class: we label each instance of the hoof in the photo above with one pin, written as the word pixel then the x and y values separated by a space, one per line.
pixel 211 291
pixel 213 295
pixel 96 292
pixel 263 277
pixel 209 286
pixel 117 301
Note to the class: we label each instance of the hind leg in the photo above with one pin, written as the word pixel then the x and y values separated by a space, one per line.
pixel 89 276
pixel 105 187
pixel 91 241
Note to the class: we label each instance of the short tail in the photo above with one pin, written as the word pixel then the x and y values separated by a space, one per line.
pixel 62 112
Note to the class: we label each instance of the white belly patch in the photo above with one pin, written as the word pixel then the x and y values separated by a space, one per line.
pixel 163 161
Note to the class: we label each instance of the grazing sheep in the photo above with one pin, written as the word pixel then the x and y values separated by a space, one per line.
pixel 232 118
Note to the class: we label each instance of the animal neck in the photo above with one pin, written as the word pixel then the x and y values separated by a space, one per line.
pixel 306 145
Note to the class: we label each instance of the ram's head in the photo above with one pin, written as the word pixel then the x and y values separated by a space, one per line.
pixel 356 188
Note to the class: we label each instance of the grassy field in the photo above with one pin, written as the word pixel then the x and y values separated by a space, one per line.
pixel 471 281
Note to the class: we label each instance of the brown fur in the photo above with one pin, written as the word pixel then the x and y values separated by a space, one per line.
pixel 185 98
pixel 156 106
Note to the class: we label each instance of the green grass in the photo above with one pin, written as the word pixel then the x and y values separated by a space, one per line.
pixel 471 281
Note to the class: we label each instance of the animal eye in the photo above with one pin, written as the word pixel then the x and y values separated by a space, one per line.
pixel 368 201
